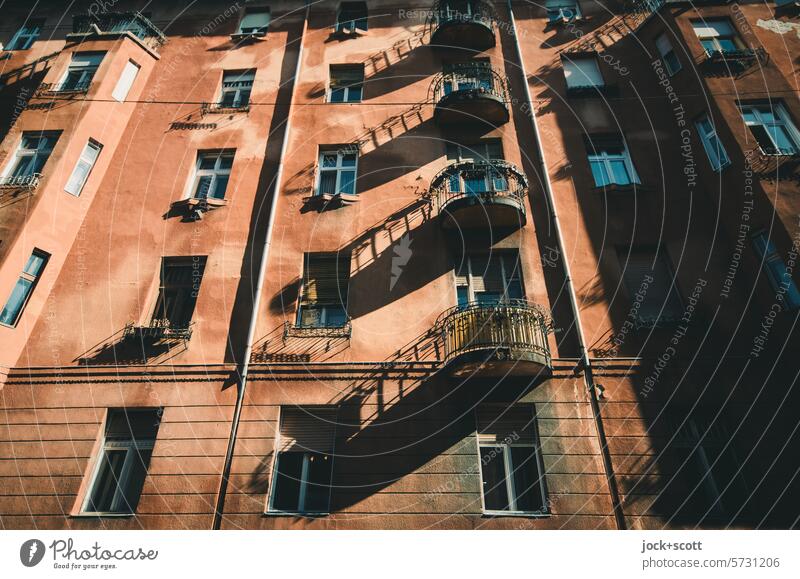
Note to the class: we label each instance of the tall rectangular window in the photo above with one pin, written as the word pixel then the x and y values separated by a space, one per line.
pixel 301 478
pixel 481 177
pixel 779 276
pixel 255 22
pixel 125 82
pixel 236 88
pixel 352 16
pixel 121 467
pixel 610 161
pixel 667 52
pixel 582 72
pixel 562 11
pixel 774 131
pixel 29 160
pixel 211 175
pixel 651 286
pixel 511 466
pixel 26 35
pixel 717 36
pixel 81 71
pixel 346 84
pixel 323 302
pixel 83 167
pixel 337 171
pixel 489 278
pixel 177 292
pixel 24 287
pixel 711 143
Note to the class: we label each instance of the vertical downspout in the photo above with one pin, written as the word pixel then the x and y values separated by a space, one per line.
pixel 585 361
pixel 262 268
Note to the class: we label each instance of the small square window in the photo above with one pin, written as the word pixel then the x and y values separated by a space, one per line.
pixel 211 175
pixel 352 16
pixel 346 84
pixel 717 36
pixel 610 161
pixel 582 72
pixel 81 71
pixel 338 169
pixel 323 303
pixel 26 35
pixel 255 22
pixel 559 11
pixel 236 89
pixel 772 128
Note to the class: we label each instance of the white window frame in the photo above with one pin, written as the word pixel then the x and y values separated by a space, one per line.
pixel 131 447
pixel 87 71
pixel 781 119
pixel 574 68
pixel 665 47
pixel 23 152
pixel 716 36
pixel 361 23
pixel 339 168
pixel 216 171
pixel 601 155
pixel 239 79
pixel 346 88
pixel 301 499
pixel 89 155
pixel 30 38
pixel 505 279
pixel 717 156
pixel 254 30
pixel 556 11
pixel 125 81
pixel 29 276
pixel 490 440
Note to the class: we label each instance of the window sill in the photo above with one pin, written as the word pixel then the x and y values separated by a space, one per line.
pixel 193 208
pixel 330 201
pixel 614 188
pixel 315 515
pixel 102 515
pixel 517 514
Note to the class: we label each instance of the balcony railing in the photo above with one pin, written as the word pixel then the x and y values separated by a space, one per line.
pixel 471 91
pixel 61 88
pixel 109 22
pixel 159 330
pixel 741 55
pixel 463 24
pixel 291 330
pixel 481 339
pixel 20 182
pixel 470 194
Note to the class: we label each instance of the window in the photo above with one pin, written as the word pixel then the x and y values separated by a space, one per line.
pixel 582 72
pixel 236 88
pixel 352 16
pixel 717 36
pixel 337 172
pixel 27 35
pixel 125 82
pixel 212 173
pixel 32 154
pixel 489 278
pixel 711 143
pixel 651 286
pixel 81 71
pixel 121 467
pixel 323 303
pixel 562 11
pixel 772 128
pixel 668 55
pixel 83 167
pixel 24 287
pixel 347 84
pixel 255 22
pixel 472 75
pixel 610 162
pixel 178 289
pixel 779 276
pixel 481 178
pixel 512 472
pixel 301 481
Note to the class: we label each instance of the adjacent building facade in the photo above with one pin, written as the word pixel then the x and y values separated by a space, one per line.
pixel 369 265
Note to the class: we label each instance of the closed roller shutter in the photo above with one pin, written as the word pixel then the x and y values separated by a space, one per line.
pixel 307 429
pixel 497 423
pixel 325 279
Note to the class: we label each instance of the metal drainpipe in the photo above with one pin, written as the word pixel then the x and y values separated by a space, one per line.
pixel 584 360
pixel 262 268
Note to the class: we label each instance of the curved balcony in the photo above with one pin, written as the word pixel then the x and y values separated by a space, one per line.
pixel 496 340
pixel 486 194
pixel 469 93
pixel 463 24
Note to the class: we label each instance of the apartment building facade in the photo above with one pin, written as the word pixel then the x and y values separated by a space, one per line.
pixel 369 265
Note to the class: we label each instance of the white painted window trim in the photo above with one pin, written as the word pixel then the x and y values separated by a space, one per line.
pixel 131 446
pixel 198 173
pixel 603 156
pixel 782 118
pixel 339 168
pixel 708 139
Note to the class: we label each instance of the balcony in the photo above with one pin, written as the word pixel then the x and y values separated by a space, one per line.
pixel 111 23
pixel 291 330
pixel 69 88
pixel 472 195
pixel 20 182
pixel 496 340
pixel 470 93
pixel 463 24
pixel 158 330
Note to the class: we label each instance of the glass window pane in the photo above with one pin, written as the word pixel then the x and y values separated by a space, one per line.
pixel 599 173
pixel 208 161
pixel 318 484
pixel 203 186
pixel 220 185
pixel 620 172
pixel 335 316
pixel 329 160
pixel 349 160
pixel 781 138
pixel 106 481
pixel 132 487
pixel 78 178
pixel 527 483
pixel 286 491
pixel 355 94
pixel 34 264
pixel 15 302
pixel 337 95
pixel 348 182
pixel 226 161
pixel 327 182
pixel 493 469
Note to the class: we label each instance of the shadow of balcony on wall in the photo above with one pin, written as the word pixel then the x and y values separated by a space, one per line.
pixel 288 343
pixel 151 344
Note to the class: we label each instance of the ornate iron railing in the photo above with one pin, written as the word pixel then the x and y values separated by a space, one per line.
pixel 469 78
pixel 21 181
pixel 133 22
pixel 60 88
pixel 483 180
pixel 462 11
pixel 291 330
pixel 518 325
pixel 159 329
pixel 741 55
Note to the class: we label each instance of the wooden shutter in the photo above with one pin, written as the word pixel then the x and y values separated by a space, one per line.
pixel 325 279
pixel 307 429
pixel 514 423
